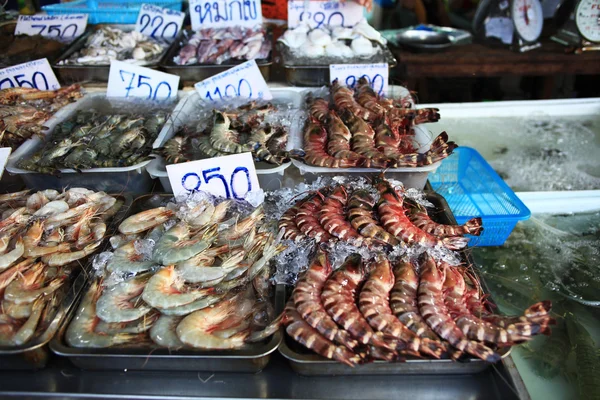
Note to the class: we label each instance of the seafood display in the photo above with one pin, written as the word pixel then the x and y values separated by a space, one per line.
pixel 361 129
pixel 43 238
pixel 18 49
pixel 221 45
pixel 23 111
pixel 191 274
pixel 109 43
pixel 363 312
pixel 231 131
pixel 98 139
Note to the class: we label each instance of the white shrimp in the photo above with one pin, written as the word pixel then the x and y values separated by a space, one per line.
pixel 166 290
pixel 27 330
pixel 59 259
pixel 163 332
pixel 52 208
pixel 30 285
pixel 117 303
pixel 126 259
pixel 11 257
pixel 174 246
pixel 193 306
pixel 140 325
pixel 145 220
pixel 199 273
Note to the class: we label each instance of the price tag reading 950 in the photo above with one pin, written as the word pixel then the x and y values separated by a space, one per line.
pixel 330 13
pixel 349 74
pixel 158 22
pixel 244 80
pixel 225 13
pixel 62 27
pixel 231 176
pixel 34 74
pixel 128 80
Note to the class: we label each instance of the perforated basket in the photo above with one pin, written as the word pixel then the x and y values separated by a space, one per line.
pixel 473 189
pixel 109 11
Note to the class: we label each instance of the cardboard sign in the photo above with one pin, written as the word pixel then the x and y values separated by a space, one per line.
pixel 67 27
pixel 348 75
pixel 128 80
pixel 158 22
pixel 330 13
pixel 34 74
pixel 225 13
pixel 244 80
pixel 4 154
pixel 231 176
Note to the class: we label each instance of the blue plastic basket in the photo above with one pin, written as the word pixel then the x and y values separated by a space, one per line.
pixel 109 11
pixel 473 189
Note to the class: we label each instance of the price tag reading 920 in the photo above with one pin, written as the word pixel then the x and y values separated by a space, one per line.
pixel 348 75
pixel 66 26
pixel 244 80
pixel 231 176
pixel 128 80
pixel 225 13
pixel 34 74
pixel 330 13
pixel 158 22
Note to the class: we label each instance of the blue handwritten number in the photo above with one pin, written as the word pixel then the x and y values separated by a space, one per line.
pixel 140 84
pixel 23 82
pixel 319 18
pixel 43 28
pixel 142 19
pixel 381 83
pixel 157 18
pixel 242 81
pixel 235 171
pixel 351 81
pixel 158 87
pixel 192 175
pixel 130 85
pixel 12 85
pixel 63 34
pixel 208 177
pixel 54 28
pixel 33 79
pixel 336 14
pixel 175 28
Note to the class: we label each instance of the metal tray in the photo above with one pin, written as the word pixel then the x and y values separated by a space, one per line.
pixel 34 354
pixel 318 75
pixel 91 73
pixel 306 362
pixel 151 357
pixel 191 74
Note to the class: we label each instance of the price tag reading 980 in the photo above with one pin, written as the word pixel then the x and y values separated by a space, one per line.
pixel 329 13
pixel 34 74
pixel 349 74
pixel 244 80
pixel 127 80
pixel 63 27
pixel 158 22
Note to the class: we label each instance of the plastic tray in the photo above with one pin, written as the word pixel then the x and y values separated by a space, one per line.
pixel 473 189
pixel 109 11
pixel 133 179
pixel 306 362
pixel 251 359
pixel 270 177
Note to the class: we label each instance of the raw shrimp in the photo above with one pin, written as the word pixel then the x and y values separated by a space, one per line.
pixel 30 285
pixel 32 239
pixel 166 290
pixel 333 218
pixel 11 257
pixel 163 332
pixel 59 259
pixel 118 303
pixel 175 245
pixel 360 215
pixel 140 325
pixel 23 334
pixel 126 259
pixel 205 273
pixel 145 220
pixel 193 306
pixel 52 208
pixel 225 140
pixel 241 228
pixel 307 218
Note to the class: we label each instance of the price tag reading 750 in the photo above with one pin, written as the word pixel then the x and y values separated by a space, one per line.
pixel 231 176
pixel 34 74
pixel 127 80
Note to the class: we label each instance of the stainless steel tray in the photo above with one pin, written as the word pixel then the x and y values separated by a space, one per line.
pixel 151 357
pixel 318 75
pixel 34 354
pixel 306 362
pixel 92 73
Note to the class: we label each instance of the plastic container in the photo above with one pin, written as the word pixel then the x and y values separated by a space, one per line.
pixel 133 179
pixel 270 176
pixel 473 189
pixel 109 11
pixel 572 201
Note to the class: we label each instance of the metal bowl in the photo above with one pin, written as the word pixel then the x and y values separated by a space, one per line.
pixel 422 39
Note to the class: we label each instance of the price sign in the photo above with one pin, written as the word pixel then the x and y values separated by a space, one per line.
pixel 158 22
pixel 501 28
pixel 4 154
pixel 231 176
pixel 349 74
pixel 225 13
pixel 244 80
pixel 67 26
pixel 34 74
pixel 317 13
pixel 128 80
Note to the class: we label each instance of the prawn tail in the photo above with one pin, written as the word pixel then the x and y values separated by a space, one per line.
pixel 268 331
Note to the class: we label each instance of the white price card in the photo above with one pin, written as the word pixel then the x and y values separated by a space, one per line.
pixel 33 74
pixel 231 176
pixel 67 27
pixel 501 28
pixel 128 80
pixel 159 22
pixel 225 13
pixel 348 75
pixel 244 80
pixel 316 13
pixel 4 154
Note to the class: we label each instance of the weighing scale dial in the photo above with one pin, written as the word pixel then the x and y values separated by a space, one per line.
pixel 528 18
pixel 587 18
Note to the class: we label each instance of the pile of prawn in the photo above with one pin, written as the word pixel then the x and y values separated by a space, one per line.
pixel 42 237
pixel 418 309
pixel 231 131
pixel 189 274
pixel 361 129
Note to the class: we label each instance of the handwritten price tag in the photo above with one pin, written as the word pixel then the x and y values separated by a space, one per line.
pixel 231 176
pixel 317 13
pixel 225 13
pixel 244 80
pixel 349 74
pixel 158 22
pixel 67 26
pixel 34 74
pixel 4 154
pixel 127 80
pixel 501 28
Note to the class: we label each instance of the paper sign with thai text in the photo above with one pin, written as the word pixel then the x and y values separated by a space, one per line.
pixel 159 22
pixel 328 13
pixel 348 75
pixel 62 27
pixel 244 80
pixel 33 74
pixel 225 13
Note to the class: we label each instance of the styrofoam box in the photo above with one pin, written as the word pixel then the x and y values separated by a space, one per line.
pixel 270 176
pixel 133 179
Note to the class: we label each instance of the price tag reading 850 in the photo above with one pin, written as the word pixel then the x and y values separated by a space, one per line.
pixel 231 176
pixel 128 80
pixel 349 74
